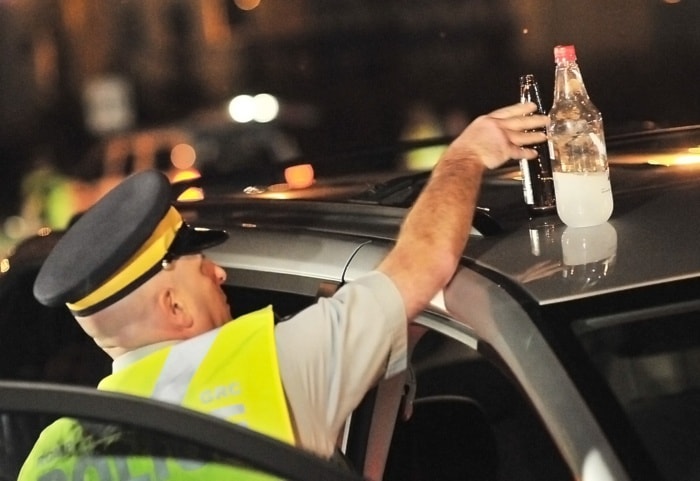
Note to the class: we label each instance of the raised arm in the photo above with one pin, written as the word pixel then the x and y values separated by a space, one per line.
pixel 435 232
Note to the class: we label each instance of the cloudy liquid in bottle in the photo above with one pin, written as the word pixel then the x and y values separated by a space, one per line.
pixel 583 198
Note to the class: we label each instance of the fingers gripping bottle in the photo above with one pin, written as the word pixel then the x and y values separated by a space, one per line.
pixel 577 147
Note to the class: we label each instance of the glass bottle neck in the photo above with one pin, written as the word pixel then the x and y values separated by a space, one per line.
pixel 529 92
pixel 568 82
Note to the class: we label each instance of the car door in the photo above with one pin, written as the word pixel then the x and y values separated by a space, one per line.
pixel 176 443
pixel 464 415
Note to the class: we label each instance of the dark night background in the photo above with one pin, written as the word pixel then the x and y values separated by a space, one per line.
pixel 347 71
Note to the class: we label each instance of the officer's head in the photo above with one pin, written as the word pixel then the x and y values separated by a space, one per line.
pixel 131 239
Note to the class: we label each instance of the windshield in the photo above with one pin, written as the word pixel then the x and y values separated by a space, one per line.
pixel 652 366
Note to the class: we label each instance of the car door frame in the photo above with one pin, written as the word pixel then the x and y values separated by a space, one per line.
pixel 256 450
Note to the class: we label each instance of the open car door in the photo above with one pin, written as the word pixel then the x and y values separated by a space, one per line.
pixel 128 433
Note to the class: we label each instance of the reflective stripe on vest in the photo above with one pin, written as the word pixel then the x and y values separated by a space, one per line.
pixel 230 372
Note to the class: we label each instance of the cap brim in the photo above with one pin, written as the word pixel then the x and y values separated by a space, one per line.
pixel 190 240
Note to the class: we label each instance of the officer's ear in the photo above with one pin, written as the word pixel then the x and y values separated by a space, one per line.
pixel 174 308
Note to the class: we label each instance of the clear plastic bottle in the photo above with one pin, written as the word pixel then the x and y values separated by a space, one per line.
pixel 538 186
pixel 577 147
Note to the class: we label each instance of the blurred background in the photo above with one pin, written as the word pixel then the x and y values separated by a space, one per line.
pixel 93 90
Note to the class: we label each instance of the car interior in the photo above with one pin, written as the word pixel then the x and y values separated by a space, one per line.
pixel 469 421
pixel 650 363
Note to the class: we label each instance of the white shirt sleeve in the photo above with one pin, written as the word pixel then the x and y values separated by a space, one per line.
pixel 333 352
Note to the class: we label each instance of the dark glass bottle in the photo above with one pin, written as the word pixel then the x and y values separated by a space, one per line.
pixel 538 184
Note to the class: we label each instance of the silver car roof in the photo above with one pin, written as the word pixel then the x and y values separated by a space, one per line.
pixel 650 239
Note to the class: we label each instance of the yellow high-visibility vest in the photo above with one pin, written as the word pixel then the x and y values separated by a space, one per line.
pixel 231 372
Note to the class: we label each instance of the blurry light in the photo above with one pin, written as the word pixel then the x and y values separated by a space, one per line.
pixel 299 176
pixel 253 190
pixel 692 157
pixel 266 108
pixel 4 265
pixel 526 31
pixel 44 231
pixel 191 195
pixel 186 174
pixel 260 108
pixel 183 156
pixel 283 187
pixel 686 159
pixel 278 191
pixel 279 195
pixel 246 4
pixel 242 108
pixel 15 227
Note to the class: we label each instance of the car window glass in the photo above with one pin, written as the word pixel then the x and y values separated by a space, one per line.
pixel 652 366
pixel 469 422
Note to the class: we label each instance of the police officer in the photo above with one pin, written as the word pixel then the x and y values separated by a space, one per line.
pixel 133 274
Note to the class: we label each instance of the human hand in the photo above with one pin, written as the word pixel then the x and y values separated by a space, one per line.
pixel 496 137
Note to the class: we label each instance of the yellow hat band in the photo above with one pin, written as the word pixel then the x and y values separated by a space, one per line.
pixel 144 260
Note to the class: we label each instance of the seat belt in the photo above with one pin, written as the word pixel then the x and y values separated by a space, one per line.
pixel 386 408
pixel 395 397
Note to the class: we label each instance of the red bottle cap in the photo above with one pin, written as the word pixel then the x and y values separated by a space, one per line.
pixel 564 52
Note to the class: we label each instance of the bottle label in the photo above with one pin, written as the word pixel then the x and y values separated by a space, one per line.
pixel 528 194
pixel 579 150
pixel 550 147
